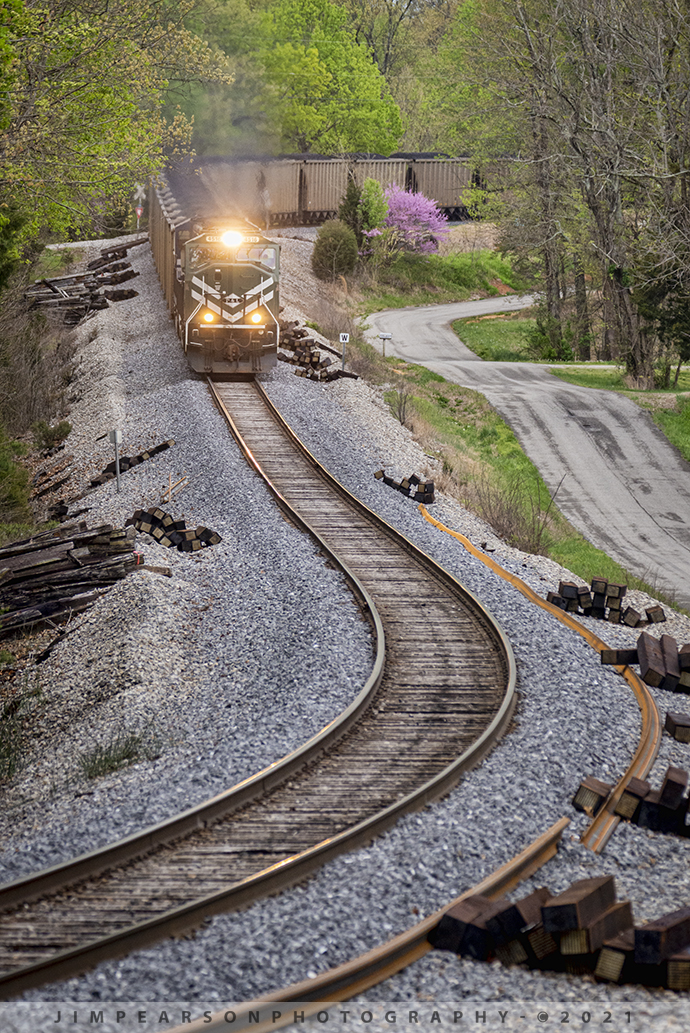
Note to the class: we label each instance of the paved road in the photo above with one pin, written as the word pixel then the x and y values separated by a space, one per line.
pixel 626 489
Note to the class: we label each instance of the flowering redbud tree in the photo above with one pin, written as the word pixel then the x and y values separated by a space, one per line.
pixel 415 219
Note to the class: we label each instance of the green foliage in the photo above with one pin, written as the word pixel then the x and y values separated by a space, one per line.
pixel 80 117
pixel 14 482
pixel 363 208
pixel 350 211
pixel 676 426
pixel 46 437
pixel 546 341
pixel 335 251
pixel 373 204
pixel 302 83
pixel 11 222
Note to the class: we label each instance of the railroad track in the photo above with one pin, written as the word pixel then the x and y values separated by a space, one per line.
pixel 440 694
pixel 353 977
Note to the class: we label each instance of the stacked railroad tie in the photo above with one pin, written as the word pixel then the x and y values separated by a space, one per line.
pixel 604 601
pixel 60 572
pixel 413 486
pixel 303 352
pixel 80 294
pixel 659 810
pixel 172 533
pixel 662 663
pixel 584 930
pixel 127 462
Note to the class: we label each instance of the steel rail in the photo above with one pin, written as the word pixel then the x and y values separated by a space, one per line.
pixel 600 830
pixel 94 862
pixel 437 786
pixel 359 974
pixel 289 869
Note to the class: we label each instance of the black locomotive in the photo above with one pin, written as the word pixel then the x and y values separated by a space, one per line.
pixel 220 279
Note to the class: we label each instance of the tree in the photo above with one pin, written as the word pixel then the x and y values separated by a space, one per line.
pixel 403 37
pixel 81 113
pixel 363 208
pixel 330 94
pixel 588 113
pixel 303 83
pixel 415 220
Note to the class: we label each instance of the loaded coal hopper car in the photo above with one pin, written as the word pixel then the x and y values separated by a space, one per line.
pixel 219 273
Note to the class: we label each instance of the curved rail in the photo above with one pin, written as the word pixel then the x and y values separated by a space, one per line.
pixel 597 835
pixel 369 969
pixel 152 897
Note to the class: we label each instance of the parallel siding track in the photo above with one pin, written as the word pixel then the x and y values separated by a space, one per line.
pixel 440 700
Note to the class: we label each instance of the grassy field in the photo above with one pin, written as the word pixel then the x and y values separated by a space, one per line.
pixel 496 338
pixel 429 279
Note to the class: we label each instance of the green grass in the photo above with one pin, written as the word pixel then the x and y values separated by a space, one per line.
pixel 612 378
pixel 55 262
pixel 676 426
pixel 17 532
pixel 496 339
pixel 123 749
pixel 429 279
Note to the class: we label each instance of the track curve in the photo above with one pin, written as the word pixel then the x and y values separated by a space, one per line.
pixel 442 698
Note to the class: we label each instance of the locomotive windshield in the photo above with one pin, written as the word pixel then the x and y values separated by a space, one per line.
pixel 262 255
pixel 203 255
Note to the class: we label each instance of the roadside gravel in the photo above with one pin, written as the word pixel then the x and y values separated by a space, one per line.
pixel 574 718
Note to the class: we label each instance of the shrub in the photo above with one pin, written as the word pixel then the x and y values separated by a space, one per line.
pixel 373 205
pixel 350 211
pixel 546 341
pixel 46 436
pixel 363 209
pixel 335 250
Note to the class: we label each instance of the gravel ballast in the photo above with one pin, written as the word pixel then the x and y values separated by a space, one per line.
pixel 208 697
pixel 251 646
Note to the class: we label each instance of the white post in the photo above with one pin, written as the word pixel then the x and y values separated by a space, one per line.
pixel 344 338
pixel 116 438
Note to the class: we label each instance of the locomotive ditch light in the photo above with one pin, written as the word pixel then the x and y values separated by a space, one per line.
pixel 231 238
pixel 256 317
pixel 208 317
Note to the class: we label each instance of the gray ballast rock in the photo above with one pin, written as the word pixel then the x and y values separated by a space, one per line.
pixel 574 718
pixel 245 652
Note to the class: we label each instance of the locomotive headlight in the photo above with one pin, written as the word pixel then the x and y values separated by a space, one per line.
pixel 208 317
pixel 231 238
pixel 256 317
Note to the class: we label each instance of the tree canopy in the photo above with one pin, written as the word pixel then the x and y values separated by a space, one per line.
pixel 302 83
pixel 580 108
pixel 82 89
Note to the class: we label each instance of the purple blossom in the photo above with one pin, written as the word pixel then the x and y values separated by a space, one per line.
pixel 416 219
